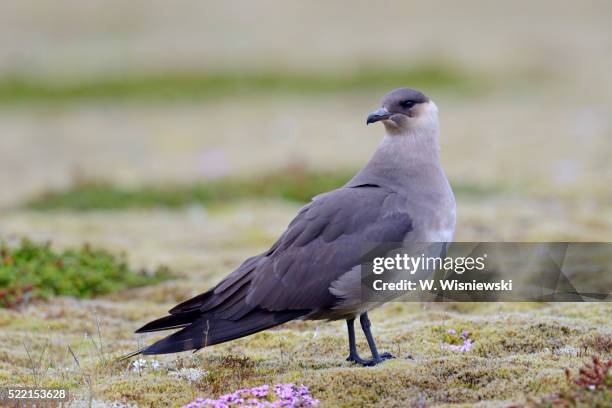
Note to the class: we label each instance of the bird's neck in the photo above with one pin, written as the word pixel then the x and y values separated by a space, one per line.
pixel 401 157
pixel 412 148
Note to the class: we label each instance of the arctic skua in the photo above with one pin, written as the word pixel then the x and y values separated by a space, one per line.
pixel 313 271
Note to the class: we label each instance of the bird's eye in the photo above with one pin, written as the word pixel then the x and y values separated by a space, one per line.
pixel 407 104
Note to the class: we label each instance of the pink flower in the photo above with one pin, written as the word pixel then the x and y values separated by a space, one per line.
pixel 467 345
pixel 285 395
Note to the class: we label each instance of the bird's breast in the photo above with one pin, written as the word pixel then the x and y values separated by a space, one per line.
pixel 433 212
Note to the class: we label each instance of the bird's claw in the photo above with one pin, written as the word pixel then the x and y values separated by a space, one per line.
pixel 355 359
pixel 369 362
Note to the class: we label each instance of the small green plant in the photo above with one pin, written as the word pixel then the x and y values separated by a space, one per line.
pixel 35 271
pixel 294 183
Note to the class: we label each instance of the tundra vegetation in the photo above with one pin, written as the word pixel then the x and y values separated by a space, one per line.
pixel 448 354
pixel 114 168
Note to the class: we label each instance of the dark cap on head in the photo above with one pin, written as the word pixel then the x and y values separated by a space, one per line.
pixel 402 97
pixel 400 100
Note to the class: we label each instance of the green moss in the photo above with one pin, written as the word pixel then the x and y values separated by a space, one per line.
pixel 33 270
pixel 292 185
pixel 433 377
pixel 147 390
pixel 204 85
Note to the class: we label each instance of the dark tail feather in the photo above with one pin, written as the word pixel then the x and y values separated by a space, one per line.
pixel 132 354
pixel 170 322
pixel 208 330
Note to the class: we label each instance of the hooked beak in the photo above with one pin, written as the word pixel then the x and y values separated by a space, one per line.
pixel 377 115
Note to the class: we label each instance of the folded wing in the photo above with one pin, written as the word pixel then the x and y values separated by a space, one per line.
pixel 293 278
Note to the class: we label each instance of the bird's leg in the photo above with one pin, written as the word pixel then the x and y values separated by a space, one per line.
pixel 376 358
pixel 353 355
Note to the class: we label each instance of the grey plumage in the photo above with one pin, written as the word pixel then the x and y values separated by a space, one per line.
pixel 312 270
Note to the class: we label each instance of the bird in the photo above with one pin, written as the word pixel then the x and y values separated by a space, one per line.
pixel 312 272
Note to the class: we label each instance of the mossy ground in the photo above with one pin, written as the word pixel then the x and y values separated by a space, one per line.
pixel 520 349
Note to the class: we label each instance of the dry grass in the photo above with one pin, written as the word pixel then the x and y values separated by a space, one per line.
pixel 519 349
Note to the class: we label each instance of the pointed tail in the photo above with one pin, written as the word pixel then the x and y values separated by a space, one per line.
pixel 207 330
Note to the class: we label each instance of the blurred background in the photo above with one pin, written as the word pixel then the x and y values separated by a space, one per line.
pixel 188 133
pixel 124 98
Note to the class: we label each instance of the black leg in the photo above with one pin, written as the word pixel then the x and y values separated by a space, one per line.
pixel 365 326
pixel 350 325
pixel 376 358
pixel 353 355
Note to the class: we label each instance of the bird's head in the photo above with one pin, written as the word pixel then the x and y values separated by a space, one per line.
pixel 406 110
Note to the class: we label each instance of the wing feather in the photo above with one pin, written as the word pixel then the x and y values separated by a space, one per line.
pixel 295 277
pixel 323 242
